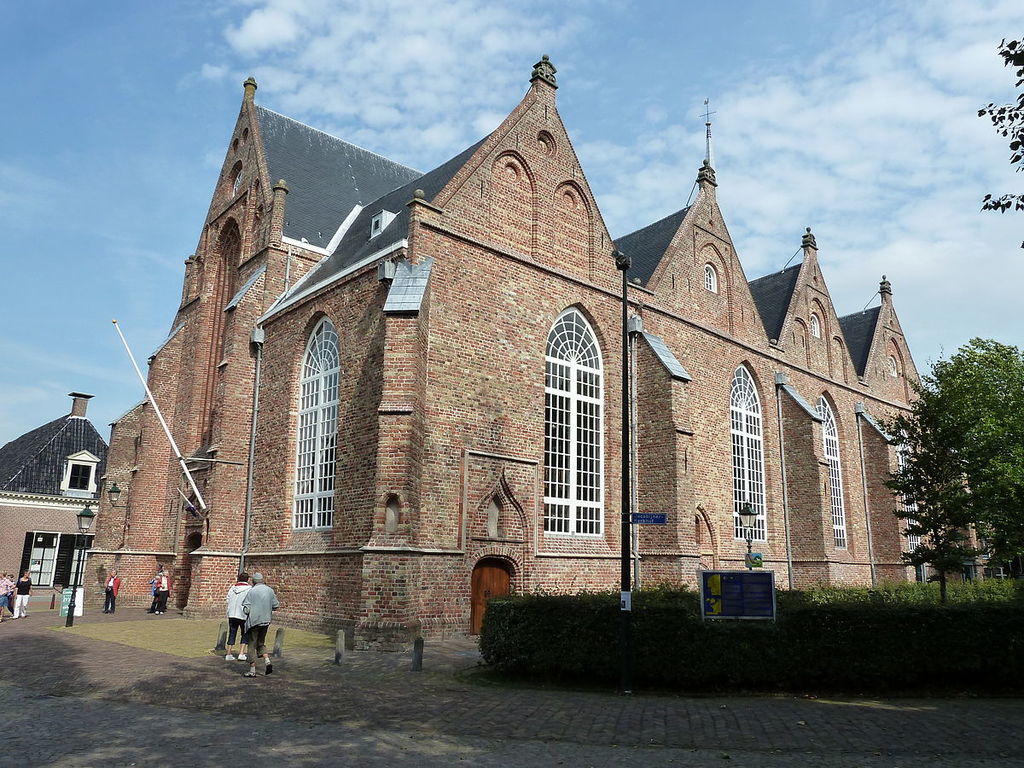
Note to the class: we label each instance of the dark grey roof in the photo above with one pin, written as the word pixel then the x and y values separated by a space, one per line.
pixel 326 177
pixel 859 330
pixel 772 295
pixel 357 245
pixel 408 287
pixel 664 354
pixel 646 246
pixel 34 463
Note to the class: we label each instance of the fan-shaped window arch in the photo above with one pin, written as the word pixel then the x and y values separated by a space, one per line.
pixel 747 453
pixel 711 278
pixel 830 431
pixel 318 430
pixel 573 428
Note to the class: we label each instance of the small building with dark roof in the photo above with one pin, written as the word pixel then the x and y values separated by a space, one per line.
pixel 46 477
pixel 399 393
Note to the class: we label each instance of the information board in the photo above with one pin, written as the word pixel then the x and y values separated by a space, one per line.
pixel 737 594
pixel 65 601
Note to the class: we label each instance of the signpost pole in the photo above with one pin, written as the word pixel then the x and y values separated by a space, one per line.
pixel 622 263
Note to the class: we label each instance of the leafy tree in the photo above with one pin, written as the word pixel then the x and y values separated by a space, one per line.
pixel 1008 120
pixel 963 444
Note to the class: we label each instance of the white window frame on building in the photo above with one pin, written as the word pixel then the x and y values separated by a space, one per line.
pixel 830 439
pixel 317 439
pixel 75 464
pixel 573 429
pixel 747 433
pixel 710 278
pixel 815 325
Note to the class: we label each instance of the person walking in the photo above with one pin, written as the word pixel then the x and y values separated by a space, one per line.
pixel 6 595
pixel 162 586
pixel 23 588
pixel 236 616
pixel 258 605
pixel 110 593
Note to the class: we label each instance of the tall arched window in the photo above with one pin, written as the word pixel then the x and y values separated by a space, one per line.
pixel 909 506
pixel 573 457
pixel 710 278
pixel 318 430
pixel 747 453
pixel 815 326
pixel 835 471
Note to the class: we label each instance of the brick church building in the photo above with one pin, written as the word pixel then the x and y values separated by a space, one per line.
pixel 400 392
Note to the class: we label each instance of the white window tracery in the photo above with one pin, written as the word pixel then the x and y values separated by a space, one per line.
pixel 318 430
pixel 894 366
pixel 710 278
pixel 747 453
pixel 830 432
pixel 573 428
pixel 815 326
pixel 908 506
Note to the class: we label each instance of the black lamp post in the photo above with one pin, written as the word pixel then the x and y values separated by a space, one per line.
pixel 748 518
pixel 85 518
pixel 622 263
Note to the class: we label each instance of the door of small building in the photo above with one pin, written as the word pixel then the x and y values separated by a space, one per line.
pixel 491 578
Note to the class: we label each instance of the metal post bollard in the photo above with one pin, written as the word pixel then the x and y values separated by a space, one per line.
pixel 339 647
pixel 278 643
pixel 222 638
pixel 417 655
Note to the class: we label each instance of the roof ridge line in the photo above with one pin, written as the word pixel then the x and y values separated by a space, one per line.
pixel 338 138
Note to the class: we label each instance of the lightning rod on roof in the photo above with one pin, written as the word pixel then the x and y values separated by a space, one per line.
pixel 707 133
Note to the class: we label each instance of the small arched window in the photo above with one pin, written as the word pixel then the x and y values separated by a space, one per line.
pixel 316 458
pixel 830 432
pixel 894 366
pixel 747 453
pixel 236 178
pixel 710 278
pixel 815 326
pixel 573 428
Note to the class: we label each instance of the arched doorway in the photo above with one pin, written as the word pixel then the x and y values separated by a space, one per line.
pixel 491 578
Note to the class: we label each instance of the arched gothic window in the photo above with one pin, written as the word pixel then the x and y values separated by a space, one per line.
pixel 710 278
pixel 815 326
pixel 835 471
pixel 894 366
pixel 747 453
pixel 909 506
pixel 318 430
pixel 573 456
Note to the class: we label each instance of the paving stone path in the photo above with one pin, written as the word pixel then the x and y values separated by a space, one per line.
pixel 74 701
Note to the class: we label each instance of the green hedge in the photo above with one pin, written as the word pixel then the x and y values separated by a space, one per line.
pixel 827 641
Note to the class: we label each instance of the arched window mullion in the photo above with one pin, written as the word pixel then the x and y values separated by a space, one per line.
pixel 316 460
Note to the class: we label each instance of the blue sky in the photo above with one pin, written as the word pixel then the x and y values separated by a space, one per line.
pixel 857 119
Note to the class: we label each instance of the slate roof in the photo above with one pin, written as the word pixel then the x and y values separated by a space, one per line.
pixel 408 287
pixel 34 462
pixel 664 354
pixel 357 245
pixel 772 295
pixel 646 246
pixel 859 330
pixel 326 177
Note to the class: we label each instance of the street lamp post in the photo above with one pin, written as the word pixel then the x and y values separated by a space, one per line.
pixel 622 263
pixel 85 518
pixel 748 518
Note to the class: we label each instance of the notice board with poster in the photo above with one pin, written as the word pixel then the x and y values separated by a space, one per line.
pixel 737 595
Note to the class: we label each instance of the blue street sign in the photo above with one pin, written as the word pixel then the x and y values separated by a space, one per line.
pixel 737 594
pixel 648 518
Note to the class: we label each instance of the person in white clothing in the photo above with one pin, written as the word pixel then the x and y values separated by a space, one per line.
pixel 236 616
pixel 23 588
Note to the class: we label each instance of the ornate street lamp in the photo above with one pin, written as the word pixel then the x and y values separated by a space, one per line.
pixel 748 519
pixel 85 518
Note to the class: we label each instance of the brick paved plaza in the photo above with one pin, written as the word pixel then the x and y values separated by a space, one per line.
pixel 74 700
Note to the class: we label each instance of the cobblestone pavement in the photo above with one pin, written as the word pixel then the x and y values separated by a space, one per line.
pixel 75 701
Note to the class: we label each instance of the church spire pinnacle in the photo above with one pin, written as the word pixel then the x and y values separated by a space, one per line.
pixel 544 70
pixel 709 159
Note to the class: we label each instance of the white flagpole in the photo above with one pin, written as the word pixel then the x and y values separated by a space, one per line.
pixel 160 416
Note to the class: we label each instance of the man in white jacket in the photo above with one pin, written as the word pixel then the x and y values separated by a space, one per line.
pixel 236 616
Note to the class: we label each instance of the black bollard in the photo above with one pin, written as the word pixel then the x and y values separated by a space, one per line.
pixel 417 655
pixel 339 647
pixel 278 643
pixel 222 638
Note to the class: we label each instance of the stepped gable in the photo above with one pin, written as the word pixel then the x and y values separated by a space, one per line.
pixel 357 245
pixel 772 295
pixel 859 330
pixel 327 177
pixel 34 462
pixel 646 246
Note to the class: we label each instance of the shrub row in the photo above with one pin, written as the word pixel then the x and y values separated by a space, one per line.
pixel 820 643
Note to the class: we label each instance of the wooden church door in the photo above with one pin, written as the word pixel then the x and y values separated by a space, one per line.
pixel 490 579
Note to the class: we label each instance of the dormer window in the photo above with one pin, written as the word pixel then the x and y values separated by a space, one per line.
pixel 380 222
pixel 79 478
pixel 815 326
pixel 710 278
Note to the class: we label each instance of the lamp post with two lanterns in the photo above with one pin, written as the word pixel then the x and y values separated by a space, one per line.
pixel 85 518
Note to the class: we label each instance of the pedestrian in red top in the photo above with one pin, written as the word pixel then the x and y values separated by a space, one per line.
pixel 113 585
